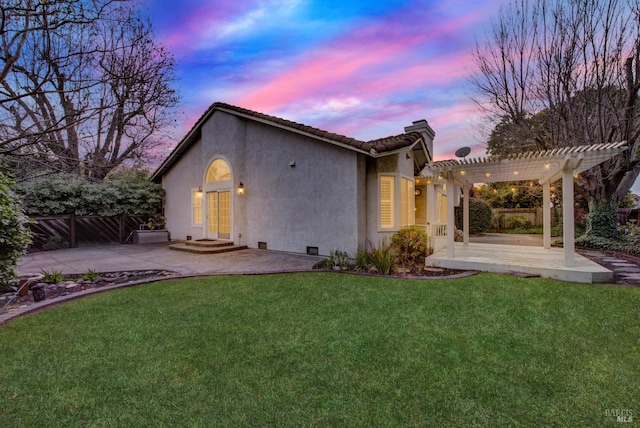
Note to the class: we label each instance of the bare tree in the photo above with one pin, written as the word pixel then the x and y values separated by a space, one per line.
pixel 89 90
pixel 564 73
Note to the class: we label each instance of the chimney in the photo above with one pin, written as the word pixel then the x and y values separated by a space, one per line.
pixel 422 126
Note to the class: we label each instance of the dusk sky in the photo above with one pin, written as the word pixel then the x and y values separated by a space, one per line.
pixel 362 69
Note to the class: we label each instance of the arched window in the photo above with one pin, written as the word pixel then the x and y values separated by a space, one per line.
pixel 218 171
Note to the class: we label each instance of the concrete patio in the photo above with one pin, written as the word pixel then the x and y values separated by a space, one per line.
pixel 528 259
pixel 112 258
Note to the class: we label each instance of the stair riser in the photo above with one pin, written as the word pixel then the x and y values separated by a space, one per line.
pixel 215 250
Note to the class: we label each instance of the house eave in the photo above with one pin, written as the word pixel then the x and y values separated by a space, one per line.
pixel 290 129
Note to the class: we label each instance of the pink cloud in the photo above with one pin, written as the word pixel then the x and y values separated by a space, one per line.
pixel 370 56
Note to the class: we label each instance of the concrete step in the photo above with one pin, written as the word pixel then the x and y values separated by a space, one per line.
pixel 196 249
pixel 209 243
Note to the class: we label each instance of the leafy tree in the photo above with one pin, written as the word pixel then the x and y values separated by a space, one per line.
pixel 84 87
pixel 15 236
pixel 565 73
pixel 512 194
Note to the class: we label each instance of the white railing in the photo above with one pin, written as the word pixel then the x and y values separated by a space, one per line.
pixel 436 230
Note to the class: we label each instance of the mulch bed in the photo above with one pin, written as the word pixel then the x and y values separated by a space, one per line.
pixel 74 284
pixel 427 273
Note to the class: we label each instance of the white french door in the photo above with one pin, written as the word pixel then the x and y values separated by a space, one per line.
pixel 219 215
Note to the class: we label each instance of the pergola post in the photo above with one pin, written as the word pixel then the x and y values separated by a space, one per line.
pixel 568 226
pixel 465 215
pixel 546 214
pixel 432 215
pixel 451 224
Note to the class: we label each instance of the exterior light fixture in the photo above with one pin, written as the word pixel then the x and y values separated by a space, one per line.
pixel 200 189
pixel 418 192
pixel 241 189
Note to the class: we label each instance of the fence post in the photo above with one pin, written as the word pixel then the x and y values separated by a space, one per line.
pixel 73 242
pixel 122 228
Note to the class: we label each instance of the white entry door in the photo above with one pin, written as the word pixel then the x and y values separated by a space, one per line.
pixel 219 215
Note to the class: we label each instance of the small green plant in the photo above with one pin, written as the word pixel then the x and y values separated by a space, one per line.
pixel 90 275
pixel 341 259
pixel 53 277
pixel 382 258
pixel 362 260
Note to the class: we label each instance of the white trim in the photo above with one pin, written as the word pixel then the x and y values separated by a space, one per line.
pixel 397 201
pixel 195 190
pixel 218 186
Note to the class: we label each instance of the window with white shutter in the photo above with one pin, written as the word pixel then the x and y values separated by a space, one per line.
pixel 387 184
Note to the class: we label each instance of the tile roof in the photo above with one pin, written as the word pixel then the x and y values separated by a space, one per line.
pixel 380 145
pixel 376 147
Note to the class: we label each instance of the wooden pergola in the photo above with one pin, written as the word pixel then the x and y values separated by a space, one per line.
pixel 545 167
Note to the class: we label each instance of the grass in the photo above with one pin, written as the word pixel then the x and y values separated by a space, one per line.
pixel 326 349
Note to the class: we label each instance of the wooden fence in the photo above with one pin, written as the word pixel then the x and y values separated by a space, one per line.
pixel 626 214
pixel 505 218
pixel 71 230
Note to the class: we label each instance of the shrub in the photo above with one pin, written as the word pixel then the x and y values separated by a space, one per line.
pixel 382 258
pixel 411 244
pixel 479 216
pixel 517 221
pixel 602 220
pixel 125 192
pixel 362 260
pixel 15 236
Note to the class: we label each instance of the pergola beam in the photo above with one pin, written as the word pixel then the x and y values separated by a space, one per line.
pixel 546 167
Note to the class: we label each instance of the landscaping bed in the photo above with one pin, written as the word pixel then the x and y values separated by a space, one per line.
pixel 75 283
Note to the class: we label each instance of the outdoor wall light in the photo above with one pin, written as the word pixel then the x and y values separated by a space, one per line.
pixel 241 189
pixel 200 189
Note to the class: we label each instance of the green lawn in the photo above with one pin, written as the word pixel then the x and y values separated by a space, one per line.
pixel 324 349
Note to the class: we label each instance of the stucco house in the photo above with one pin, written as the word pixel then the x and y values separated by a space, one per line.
pixel 265 182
